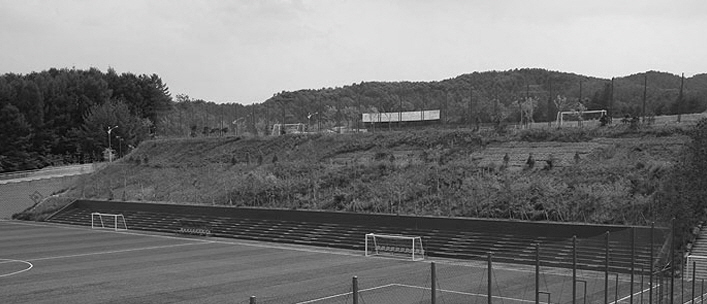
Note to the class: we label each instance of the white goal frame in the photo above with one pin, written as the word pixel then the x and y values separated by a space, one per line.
pixel 561 115
pixel 117 220
pixel 700 262
pixel 404 246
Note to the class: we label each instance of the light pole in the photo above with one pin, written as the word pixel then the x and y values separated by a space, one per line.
pixel 110 149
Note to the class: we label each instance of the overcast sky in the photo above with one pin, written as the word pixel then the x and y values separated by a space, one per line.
pixel 245 51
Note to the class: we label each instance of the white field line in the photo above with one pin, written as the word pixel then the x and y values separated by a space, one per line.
pixel 15 272
pixel 635 293
pixel 465 293
pixel 346 294
pixel 113 251
pixel 471 264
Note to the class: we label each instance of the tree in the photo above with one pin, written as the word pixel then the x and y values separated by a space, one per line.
pixel 15 136
pixel 112 113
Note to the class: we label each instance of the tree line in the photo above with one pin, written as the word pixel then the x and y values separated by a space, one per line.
pixel 61 116
pixel 514 96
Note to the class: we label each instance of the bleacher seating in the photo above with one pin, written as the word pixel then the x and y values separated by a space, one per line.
pixel 467 245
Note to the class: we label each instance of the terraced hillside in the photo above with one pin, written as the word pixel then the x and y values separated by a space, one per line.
pixel 600 175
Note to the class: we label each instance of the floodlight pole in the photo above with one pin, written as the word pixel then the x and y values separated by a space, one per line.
pixel 110 149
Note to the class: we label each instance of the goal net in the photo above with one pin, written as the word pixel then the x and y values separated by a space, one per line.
pixel 696 264
pixel 108 221
pixel 394 245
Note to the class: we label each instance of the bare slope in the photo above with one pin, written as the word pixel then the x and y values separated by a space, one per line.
pixel 600 176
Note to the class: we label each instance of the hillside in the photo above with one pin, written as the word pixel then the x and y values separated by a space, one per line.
pixel 487 97
pixel 601 175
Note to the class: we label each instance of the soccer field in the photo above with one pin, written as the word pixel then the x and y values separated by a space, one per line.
pixel 48 263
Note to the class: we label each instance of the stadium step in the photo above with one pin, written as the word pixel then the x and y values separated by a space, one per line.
pixel 470 245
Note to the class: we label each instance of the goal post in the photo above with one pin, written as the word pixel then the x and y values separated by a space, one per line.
pixel 698 264
pixel 394 245
pixel 108 221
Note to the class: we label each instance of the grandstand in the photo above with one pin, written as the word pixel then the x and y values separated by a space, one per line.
pixel 466 239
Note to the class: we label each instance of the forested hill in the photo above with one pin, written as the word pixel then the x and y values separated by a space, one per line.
pixel 62 115
pixel 493 96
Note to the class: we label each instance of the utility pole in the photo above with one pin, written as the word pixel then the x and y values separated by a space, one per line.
pixel 110 149
pixel 549 103
pixel 471 107
pixel 611 100
pixel 645 87
pixel 682 84
pixel 400 111
pixel 359 120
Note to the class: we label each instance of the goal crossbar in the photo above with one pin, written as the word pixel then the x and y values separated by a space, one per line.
pixel 108 221
pixel 394 245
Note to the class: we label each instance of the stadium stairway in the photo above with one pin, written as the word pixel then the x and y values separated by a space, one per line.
pixel 466 245
pixel 699 249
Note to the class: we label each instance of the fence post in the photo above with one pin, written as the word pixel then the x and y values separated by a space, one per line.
pixel 650 269
pixel 633 262
pixel 252 300
pixel 574 269
pixel 355 289
pixel 433 274
pixel 672 261
pixel 537 273
pixel 693 281
pixel 606 270
pixel 490 266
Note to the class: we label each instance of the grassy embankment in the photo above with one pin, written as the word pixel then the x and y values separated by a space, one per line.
pixel 598 175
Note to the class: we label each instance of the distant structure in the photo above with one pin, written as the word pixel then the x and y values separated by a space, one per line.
pixel 403 117
pixel 579 116
pixel 282 129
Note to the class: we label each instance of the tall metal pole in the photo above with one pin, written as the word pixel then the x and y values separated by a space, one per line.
pixel 110 148
pixel 650 268
pixel 611 100
pixel 606 270
pixel 672 261
pixel 537 273
pixel 694 264
pixel 433 272
pixel 633 262
pixel 645 88
pixel 489 290
pixel 574 269
pixel 359 120
pixel 682 84
pixel 549 104
pixel 355 289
